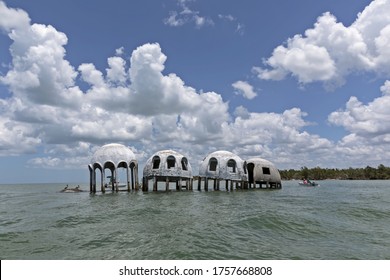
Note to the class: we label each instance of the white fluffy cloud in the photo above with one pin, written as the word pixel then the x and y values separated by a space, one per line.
pixel 16 138
pixel 39 72
pixel 245 89
pixel 136 103
pixel 330 51
pixel 368 127
pixel 369 121
pixel 12 18
pixel 130 102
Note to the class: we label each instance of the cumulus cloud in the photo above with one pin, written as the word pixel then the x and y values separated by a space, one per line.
pixel 40 74
pixel 330 51
pixel 368 127
pixel 132 101
pixel 136 103
pixel 245 89
pixel 12 18
pixel 77 155
pixel 16 138
pixel 366 120
pixel 241 112
pixel 278 137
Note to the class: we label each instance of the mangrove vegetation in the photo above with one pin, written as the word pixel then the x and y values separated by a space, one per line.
pixel 317 173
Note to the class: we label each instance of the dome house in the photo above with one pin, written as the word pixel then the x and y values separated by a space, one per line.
pixel 111 157
pixel 263 172
pixel 167 166
pixel 222 165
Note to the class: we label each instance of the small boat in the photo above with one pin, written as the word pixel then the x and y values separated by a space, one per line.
pixel 308 184
pixel 114 182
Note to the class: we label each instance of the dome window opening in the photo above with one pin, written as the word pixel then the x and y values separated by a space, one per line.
pixel 184 164
pixel 266 171
pixel 171 162
pixel 213 164
pixel 231 166
pixel 156 162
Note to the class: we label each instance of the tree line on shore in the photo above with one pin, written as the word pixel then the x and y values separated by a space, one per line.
pixel 317 173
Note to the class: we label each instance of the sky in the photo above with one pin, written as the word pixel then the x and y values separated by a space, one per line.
pixel 299 83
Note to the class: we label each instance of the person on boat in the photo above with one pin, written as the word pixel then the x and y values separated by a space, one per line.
pixel 305 181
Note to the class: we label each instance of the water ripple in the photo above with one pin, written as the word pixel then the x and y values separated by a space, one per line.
pixel 339 220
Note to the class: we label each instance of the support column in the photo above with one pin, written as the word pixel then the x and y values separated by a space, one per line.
pixel 135 176
pixel 93 180
pixel 103 179
pixel 90 179
pixel 167 184
pixel 128 179
pixel 199 183
pixel 154 184
pixel 115 182
pixel 145 184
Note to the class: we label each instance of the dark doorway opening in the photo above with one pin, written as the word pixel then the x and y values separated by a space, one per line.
pixel 250 167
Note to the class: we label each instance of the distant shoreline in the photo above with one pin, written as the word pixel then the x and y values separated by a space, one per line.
pixel 317 173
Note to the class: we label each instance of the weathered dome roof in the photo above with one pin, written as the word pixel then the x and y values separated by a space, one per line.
pixel 258 173
pixel 167 163
pixel 228 166
pixel 258 160
pixel 115 153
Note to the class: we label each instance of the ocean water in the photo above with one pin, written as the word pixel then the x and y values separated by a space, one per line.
pixel 337 220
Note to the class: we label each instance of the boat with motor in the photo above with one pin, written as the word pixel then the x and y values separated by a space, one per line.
pixel 308 183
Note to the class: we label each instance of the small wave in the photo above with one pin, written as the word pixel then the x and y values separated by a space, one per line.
pixel 75 221
pixel 9 236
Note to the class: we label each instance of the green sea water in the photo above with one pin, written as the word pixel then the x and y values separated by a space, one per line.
pixel 337 220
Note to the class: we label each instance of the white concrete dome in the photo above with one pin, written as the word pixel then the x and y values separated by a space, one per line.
pixel 223 165
pixel 114 153
pixel 112 157
pixel 262 170
pixel 167 163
